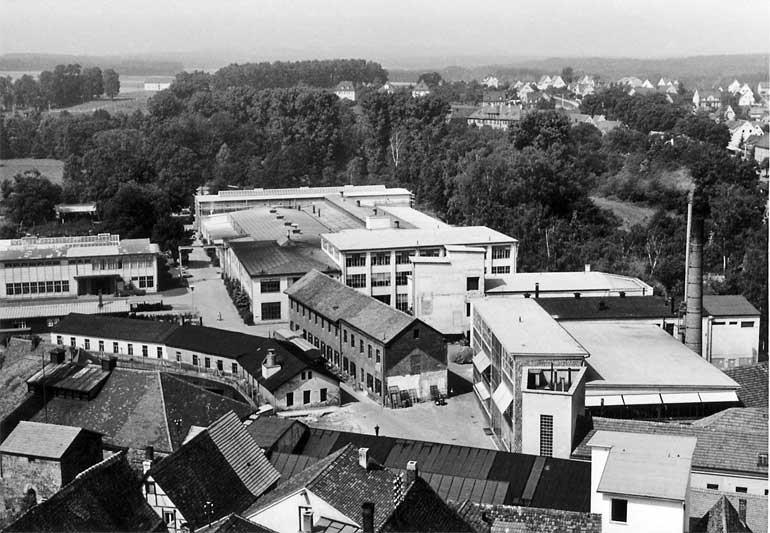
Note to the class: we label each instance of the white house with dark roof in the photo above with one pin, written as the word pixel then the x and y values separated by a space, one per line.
pixel 346 90
pixel 730 331
pixel 641 483
pixel 420 90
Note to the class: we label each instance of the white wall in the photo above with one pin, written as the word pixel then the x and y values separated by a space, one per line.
pixel 729 341
pixel 123 348
pixel 644 516
pixel 557 404
pixel 283 516
pixel 728 482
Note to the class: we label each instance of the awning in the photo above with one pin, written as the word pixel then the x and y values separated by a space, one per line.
pixel 481 361
pixel 502 397
pixel 722 396
pixel 672 398
pixel 596 401
pixel 641 399
pixel 481 390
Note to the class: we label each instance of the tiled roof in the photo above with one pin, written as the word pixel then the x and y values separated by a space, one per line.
pixel 291 358
pixel 703 500
pixel 341 482
pixel 105 497
pixel 336 301
pixel 221 465
pixel 50 441
pixel 269 258
pixel 109 327
pixel 270 431
pixel 728 305
pixel 606 308
pixel 461 472
pixel 214 341
pixel 729 441
pixel 234 523
pixel 127 410
pixel 753 380
pixel 721 518
pixel 509 519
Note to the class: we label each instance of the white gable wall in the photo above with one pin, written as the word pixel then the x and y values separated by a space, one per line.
pixel 284 515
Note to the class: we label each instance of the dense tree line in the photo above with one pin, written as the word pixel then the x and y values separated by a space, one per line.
pixel 65 86
pixel 319 73
pixel 532 182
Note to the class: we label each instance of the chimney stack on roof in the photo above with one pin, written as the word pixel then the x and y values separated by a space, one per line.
pixel 269 364
pixel 307 521
pixel 363 458
pixel 411 472
pixel 588 268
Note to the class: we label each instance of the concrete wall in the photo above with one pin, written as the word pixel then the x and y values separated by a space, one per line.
pixel 298 386
pixel 727 343
pixel 728 482
pixel 557 404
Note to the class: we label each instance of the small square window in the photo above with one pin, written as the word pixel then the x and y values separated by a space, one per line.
pixel 741 489
pixel 712 486
pixel 619 510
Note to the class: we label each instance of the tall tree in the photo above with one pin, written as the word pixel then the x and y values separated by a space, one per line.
pixel 30 198
pixel 111 81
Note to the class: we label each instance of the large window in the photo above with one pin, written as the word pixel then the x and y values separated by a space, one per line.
pixel 355 260
pixel 271 311
pixel 381 258
pixel 357 281
pixel 546 435
pixel 145 350
pixel 402 302
pixel 87 344
pixel 619 511
pixel 430 252
pixel 501 269
pixel 402 278
pixel 323 394
pixel 270 285
pixel 402 258
pixel 381 279
pixel 501 252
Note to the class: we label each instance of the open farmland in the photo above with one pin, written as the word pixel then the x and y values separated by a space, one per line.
pixel 53 169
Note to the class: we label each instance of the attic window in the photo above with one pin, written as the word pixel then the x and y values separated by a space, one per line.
pixel 762 460
pixel 416 333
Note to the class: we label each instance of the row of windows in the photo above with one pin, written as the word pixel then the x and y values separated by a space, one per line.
pixel 37 287
pixel 315 317
pixel 357 281
pixel 99 263
pixel 501 252
pixel 501 269
pixel 379 279
pixel 744 323
pixel 306 397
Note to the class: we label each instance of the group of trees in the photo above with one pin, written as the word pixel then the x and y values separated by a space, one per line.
pixel 532 182
pixel 66 85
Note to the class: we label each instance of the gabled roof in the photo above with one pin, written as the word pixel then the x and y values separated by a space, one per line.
pixel 221 465
pixel 721 518
pixel 728 305
pixel 138 408
pixel 654 466
pixel 234 523
pixel 729 441
pixel 345 86
pixel 753 380
pixel 612 308
pixel 110 327
pixel 214 341
pixel 508 518
pixel 105 497
pixel 422 86
pixel 49 441
pixel 269 258
pixel 336 301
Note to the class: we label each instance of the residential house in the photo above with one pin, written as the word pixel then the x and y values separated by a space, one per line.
pixel 734 87
pixel 545 82
pixel 729 113
pixel 747 99
pixel 104 497
pixel 740 131
pixel 490 81
pixel 36 460
pixel 558 83
pixel 706 99
pixel 384 351
pixel 500 117
pixel 157 84
pixel 350 491
pixel 647 84
pixel 493 99
pixel 641 482
pixel 345 90
pixel 55 267
pixel 391 87
pixel 763 89
pixel 420 90
pixel 219 471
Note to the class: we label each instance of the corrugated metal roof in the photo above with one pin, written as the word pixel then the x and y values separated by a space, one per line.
pixel 40 440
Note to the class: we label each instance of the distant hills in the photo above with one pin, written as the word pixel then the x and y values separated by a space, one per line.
pixel 122 64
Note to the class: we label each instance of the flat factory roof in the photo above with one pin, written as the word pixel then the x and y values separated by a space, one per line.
pixel 523 327
pixel 566 282
pixel 636 354
pixel 364 239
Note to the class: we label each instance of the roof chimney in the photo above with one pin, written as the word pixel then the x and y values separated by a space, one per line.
pixel 367 517
pixel 57 356
pixel 411 472
pixel 537 290
pixel 307 521
pixel 588 268
pixel 363 458
pixel 269 365
pixel 149 453
pixel 622 294
pixel 577 295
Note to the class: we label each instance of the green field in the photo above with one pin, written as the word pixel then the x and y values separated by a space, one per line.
pixel 127 102
pixel 53 169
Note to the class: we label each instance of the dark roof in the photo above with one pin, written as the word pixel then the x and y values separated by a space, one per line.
pixel 110 327
pixel 213 341
pixel 105 497
pixel 487 518
pixel 222 465
pixel 728 305
pixel 345 86
pixel 138 408
pixel 461 472
pixel 270 429
pixel 606 308
pixel 291 358
pixel 269 258
pixel 344 484
pixel 721 518
pixel 77 378
pixel 703 500
pixel 753 380
pixel 234 523
pixel 336 301
pixel 730 440
pixel 34 439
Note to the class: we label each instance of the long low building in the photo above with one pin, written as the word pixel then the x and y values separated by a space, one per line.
pixel 45 267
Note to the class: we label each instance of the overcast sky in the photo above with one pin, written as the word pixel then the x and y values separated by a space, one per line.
pixel 386 30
